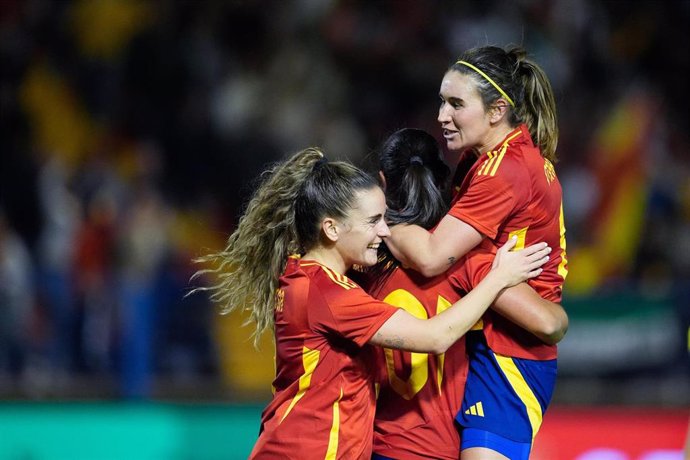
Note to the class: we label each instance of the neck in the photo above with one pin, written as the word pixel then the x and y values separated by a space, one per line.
pixel 328 257
pixel 495 135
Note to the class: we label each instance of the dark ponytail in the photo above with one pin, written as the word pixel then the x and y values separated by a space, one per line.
pixel 416 178
pixel 416 175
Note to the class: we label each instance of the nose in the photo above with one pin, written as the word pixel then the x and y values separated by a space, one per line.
pixel 384 231
pixel 443 114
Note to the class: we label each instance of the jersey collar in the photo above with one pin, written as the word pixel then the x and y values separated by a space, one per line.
pixel 520 135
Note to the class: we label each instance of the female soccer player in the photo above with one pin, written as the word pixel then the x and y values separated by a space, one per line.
pixel 331 214
pixel 500 105
pixel 419 393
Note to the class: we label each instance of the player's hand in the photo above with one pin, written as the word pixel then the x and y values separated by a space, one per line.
pixel 514 267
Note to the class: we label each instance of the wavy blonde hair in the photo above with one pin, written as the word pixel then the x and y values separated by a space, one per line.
pixel 282 218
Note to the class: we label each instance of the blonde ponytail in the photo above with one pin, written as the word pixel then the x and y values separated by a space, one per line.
pixel 538 109
pixel 254 258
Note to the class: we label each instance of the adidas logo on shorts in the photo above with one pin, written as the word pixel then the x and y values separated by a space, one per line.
pixel 476 409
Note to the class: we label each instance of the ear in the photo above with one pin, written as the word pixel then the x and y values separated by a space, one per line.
pixel 330 228
pixel 382 179
pixel 498 111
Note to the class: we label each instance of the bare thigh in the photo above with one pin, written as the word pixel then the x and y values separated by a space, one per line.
pixel 481 453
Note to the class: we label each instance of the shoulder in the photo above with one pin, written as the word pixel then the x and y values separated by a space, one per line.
pixel 501 166
pixel 508 160
pixel 332 285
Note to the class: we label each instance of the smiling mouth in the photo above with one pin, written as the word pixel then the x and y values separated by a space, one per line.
pixel 373 246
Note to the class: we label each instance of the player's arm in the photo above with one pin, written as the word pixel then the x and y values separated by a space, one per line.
pixel 432 253
pixel 523 306
pixel 438 333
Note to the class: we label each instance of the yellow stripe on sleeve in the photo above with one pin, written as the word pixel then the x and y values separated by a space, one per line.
pixel 497 157
pixel 484 168
pixel 498 160
pixel 338 279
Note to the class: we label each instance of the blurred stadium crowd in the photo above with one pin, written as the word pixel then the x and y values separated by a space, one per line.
pixel 130 132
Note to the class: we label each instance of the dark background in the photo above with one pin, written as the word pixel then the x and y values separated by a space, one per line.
pixel 131 132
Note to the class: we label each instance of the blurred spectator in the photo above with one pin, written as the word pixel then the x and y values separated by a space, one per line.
pixel 124 124
pixel 143 246
pixel 55 256
pixel 16 301
pixel 93 277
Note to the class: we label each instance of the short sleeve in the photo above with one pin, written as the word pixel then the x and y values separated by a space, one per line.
pixel 352 314
pixel 486 204
pixel 471 270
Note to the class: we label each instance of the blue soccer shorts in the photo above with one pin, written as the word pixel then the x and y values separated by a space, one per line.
pixel 505 396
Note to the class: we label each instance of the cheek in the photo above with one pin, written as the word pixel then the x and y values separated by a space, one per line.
pixel 460 118
pixel 473 124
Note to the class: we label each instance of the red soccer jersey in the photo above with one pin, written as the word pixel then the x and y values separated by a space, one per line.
pixel 513 190
pixel 324 401
pixel 419 393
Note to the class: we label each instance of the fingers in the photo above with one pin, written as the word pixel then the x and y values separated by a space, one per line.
pixel 521 265
pixel 533 265
pixel 534 273
pixel 539 255
pixel 510 244
pixel 536 261
pixel 535 248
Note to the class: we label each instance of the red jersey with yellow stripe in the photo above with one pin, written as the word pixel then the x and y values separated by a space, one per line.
pixel 513 190
pixel 324 401
pixel 419 393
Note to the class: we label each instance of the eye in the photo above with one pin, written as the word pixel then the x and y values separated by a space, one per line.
pixel 453 102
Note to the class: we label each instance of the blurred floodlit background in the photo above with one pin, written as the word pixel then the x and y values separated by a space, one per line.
pixel 130 134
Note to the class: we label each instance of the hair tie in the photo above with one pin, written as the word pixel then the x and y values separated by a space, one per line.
pixel 495 85
pixel 416 160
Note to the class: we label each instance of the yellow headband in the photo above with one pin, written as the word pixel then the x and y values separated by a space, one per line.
pixel 498 88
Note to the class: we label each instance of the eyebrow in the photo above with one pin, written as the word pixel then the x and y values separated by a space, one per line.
pixel 450 98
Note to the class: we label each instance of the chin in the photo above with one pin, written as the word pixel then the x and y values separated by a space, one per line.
pixel 369 261
pixel 455 146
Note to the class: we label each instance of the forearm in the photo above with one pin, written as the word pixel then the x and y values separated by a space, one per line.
pixel 463 314
pixel 437 334
pixel 412 246
pixel 523 306
pixel 432 253
pixel 404 331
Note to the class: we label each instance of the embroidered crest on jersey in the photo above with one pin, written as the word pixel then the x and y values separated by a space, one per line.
pixel 549 171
